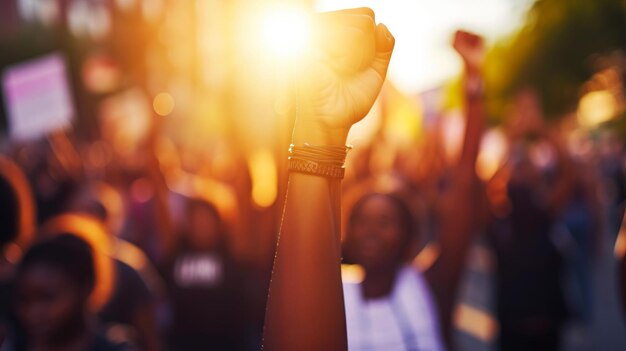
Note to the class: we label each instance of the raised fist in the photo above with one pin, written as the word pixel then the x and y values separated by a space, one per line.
pixel 341 76
pixel 471 48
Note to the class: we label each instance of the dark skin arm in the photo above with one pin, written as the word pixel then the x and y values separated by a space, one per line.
pixel 458 213
pixel 305 308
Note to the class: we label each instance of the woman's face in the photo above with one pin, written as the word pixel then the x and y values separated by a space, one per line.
pixel 376 236
pixel 49 304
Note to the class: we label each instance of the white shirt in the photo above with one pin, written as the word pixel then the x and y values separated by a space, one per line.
pixel 405 320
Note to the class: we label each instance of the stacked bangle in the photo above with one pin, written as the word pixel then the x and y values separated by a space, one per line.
pixel 324 161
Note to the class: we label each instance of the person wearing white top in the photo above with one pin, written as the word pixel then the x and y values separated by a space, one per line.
pixel 392 308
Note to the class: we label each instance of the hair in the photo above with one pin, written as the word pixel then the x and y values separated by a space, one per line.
pixel 195 203
pixel 96 208
pixel 9 212
pixel 407 224
pixel 66 252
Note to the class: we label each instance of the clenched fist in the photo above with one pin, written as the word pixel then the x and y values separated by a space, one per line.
pixel 341 76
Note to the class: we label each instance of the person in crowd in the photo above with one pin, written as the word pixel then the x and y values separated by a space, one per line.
pixel 121 298
pixel 104 202
pixel 582 219
pixel 54 282
pixel 450 189
pixel 205 285
pixel 531 305
pixel 457 217
pixel 392 308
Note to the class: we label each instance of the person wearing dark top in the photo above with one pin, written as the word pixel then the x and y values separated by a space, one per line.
pixel 53 284
pixel 129 294
pixel 531 306
pixel 205 286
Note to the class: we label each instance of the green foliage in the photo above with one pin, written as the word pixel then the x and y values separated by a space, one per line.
pixel 553 52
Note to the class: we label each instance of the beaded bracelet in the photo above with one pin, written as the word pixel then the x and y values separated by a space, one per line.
pixel 324 161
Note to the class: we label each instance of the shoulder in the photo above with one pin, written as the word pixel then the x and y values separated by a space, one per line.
pixel 351 278
pixel 411 276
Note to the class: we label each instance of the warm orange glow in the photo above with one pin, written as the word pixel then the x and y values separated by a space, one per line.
pixel 130 254
pixel 114 204
pixel 123 143
pixel 352 273
pixel 596 107
pixel 163 104
pixel 620 243
pixel 98 155
pixel 142 190
pixel 220 194
pixel 427 256
pixel 264 177
pixel 403 116
pixel 477 323
pixel 12 253
pixel 492 154
pixel 452 133
pixel 14 175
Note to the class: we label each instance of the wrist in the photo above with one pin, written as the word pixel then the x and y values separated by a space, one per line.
pixel 318 134
pixel 473 85
pixel 472 71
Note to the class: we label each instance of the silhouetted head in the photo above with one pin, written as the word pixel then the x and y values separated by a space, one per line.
pixel 54 281
pixel 380 232
pixel 102 201
pixel 204 226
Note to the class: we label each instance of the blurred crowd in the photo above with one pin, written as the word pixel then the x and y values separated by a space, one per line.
pixel 166 273
pixel 116 242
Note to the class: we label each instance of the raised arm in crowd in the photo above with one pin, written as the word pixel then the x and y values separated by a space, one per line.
pixel 336 89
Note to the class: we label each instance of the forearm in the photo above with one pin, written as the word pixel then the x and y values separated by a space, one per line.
pixel 305 305
pixel 458 211
pixel 475 123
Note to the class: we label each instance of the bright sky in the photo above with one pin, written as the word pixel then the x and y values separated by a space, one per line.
pixel 423 58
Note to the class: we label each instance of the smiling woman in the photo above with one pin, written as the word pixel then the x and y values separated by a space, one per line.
pixel 392 308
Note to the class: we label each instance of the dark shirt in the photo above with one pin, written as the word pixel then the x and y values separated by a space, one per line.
pixel 206 299
pixel 129 294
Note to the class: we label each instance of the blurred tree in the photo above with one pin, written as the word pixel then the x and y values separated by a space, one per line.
pixel 555 52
